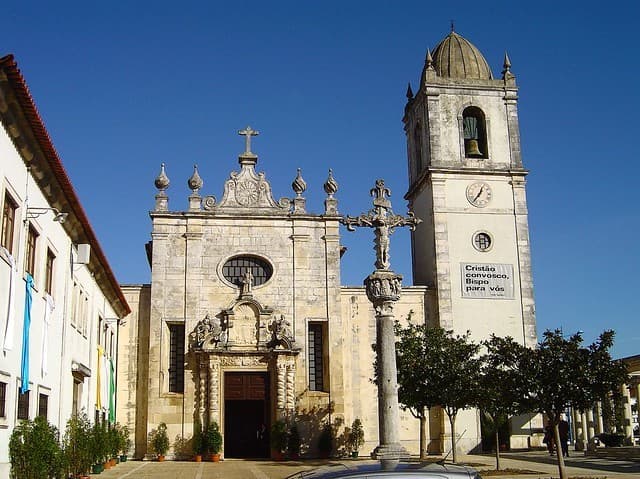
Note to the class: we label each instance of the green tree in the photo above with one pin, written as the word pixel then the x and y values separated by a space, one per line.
pixel 34 450
pixel 77 444
pixel 501 384
pixel 436 367
pixel 415 391
pixel 562 373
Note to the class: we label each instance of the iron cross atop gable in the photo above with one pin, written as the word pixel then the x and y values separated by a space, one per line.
pixel 248 133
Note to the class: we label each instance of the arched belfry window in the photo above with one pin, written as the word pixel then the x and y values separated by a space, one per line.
pixel 417 147
pixel 475 133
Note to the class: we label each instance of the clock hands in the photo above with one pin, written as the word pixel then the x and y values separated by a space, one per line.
pixel 479 193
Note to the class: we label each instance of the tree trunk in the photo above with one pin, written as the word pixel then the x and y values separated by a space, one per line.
pixel 497 449
pixel 561 468
pixel 454 456
pixel 423 434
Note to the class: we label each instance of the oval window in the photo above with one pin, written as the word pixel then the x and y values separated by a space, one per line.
pixel 235 268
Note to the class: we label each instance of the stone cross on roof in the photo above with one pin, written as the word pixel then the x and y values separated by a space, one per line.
pixel 248 133
pixel 383 220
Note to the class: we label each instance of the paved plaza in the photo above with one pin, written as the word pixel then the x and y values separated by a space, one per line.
pixel 543 465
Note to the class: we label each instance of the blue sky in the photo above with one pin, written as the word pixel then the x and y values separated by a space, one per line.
pixel 123 87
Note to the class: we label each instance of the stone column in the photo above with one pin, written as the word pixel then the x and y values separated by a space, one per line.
pixel 628 428
pixel 383 290
pixel 591 424
pixel 291 394
pixel 599 417
pixel 214 390
pixel 281 392
pixel 579 429
pixel 203 367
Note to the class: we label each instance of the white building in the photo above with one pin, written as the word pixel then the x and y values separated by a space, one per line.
pixel 76 304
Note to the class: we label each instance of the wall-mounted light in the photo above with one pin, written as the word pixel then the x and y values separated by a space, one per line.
pixel 59 216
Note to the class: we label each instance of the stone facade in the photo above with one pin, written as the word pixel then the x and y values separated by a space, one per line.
pixel 254 282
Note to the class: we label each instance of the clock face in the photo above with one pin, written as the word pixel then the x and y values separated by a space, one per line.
pixel 479 194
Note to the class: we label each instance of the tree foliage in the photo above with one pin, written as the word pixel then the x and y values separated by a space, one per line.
pixel 501 383
pixel 436 368
pixel 561 373
pixel 34 450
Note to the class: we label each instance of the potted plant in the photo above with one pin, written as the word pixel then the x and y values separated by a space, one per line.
pixel 124 441
pixel 77 445
pixel 34 450
pixel 113 445
pixel 196 442
pixel 279 439
pixel 293 443
pixel 160 441
pixel 325 441
pixel 213 441
pixel 356 437
pixel 97 442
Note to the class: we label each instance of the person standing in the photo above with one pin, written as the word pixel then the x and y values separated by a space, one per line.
pixel 563 429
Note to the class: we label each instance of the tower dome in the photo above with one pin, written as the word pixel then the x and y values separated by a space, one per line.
pixel 457 57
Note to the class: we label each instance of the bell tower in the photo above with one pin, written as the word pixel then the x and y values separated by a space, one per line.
pixel 467 184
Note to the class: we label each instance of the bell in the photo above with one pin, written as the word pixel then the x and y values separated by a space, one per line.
pixel 471 148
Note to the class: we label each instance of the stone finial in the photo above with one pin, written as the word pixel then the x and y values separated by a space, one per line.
pixel 195 182
pixel 409 92
pixel 299 185
pixel 162 180
pixel 331 185
pixel 506 69
pixel 162 183
pixel 429 60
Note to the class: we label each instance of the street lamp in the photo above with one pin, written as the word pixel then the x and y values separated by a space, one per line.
pixel 59 216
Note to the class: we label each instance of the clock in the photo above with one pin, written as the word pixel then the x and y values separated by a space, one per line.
pixel 479 194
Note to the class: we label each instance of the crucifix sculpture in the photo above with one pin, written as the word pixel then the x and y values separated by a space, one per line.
pixel 248 133
pixel 383 288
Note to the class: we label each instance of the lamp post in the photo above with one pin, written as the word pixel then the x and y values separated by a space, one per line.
pixel 383 288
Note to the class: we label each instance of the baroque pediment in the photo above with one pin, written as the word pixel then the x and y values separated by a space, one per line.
pixel 247 192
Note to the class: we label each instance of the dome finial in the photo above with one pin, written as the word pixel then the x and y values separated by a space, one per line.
pixel 453 28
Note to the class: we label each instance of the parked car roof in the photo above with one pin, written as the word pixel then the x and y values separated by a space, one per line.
pixel 373 469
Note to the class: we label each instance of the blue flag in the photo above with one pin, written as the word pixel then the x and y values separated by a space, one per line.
pixel 28 299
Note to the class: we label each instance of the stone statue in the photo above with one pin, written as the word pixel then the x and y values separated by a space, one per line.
pixel 280 332
pixel 246 283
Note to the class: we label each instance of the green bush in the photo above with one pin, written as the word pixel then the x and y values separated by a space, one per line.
pixel 99 444
pixel 197 444
pixel 76 444
pixel 213 438
pixel 160 440
pixel 34 451
pixel 356 435
pixel 279 436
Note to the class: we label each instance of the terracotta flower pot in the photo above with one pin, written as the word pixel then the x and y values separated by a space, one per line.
pixel 160 458
pixel 215 457
pixel 197 458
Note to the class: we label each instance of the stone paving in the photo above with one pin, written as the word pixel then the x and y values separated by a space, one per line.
pixel 540 462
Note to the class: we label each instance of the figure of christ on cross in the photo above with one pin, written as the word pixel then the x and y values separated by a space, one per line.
pixel 248 133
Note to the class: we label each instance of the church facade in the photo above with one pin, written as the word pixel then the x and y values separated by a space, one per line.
pixel 245 321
